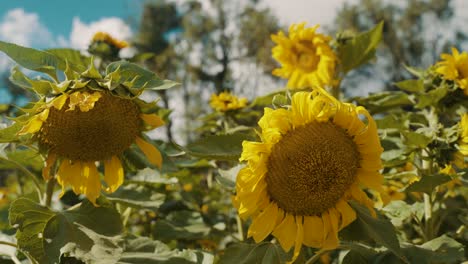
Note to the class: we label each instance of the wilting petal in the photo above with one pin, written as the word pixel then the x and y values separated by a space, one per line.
pixel 113 173
pixel 286 232
pixel 151 152
pixel 264 223
pixel 313 231
pixel 92 185
pixel 152 120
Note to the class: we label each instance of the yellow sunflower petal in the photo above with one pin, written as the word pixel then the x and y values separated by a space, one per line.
pixel 299 239
pixel 330 224
pixel 152 120
pixel 348 215
pixel 285 232
pixel 313 231
pixel 35 123
pixel 59 102
pixel 151 152
pixel 92 184
pixel 264 223
pixel 370 178
pixel 113 173
pixel 69 173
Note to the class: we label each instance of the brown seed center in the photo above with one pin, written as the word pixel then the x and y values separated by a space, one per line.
pixel 311 167
pixel 109 128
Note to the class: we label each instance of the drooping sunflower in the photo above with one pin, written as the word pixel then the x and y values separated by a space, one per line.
pixel 306 58
pixel 86 123
pixel 225 101
pixel 455 68
pixel 312 160
pixel 105 46
pixel 108 39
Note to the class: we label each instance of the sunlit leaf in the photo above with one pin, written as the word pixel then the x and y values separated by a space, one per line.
pixel 427 183
pixel 359 49
pixel 220 147
pixel 379 229
pixel 138 196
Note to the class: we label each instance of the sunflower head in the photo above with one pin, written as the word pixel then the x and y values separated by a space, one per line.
pixel 225 101
pixel 306 58
pixel 105 45
pixel 85 125
pixel 454 67
pixel 312 160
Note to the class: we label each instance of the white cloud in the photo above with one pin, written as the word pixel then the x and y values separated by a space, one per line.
pixel 24 29
pixel 82 33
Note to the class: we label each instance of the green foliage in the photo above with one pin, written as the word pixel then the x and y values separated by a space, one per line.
pixel 42 233
pixel 220 147
pixel 241 253
pixel 379 229
pixel 360 49
pixel 427 183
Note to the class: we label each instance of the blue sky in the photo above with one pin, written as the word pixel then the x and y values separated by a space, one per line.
pixel 57 15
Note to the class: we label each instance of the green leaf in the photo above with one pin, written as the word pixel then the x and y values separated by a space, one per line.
pixel 414 86
pixel 381 102
pixel 44 233
pixel 398 212
pixel 10 134
pixel 360 49
pixel 218 147
pixel 432 97
pixel 142 250
pixel 30 219
pixel 33 59
pixel 359 254
pixel 148 175
pixel 181 224
pixel 379 229
pixel 264 253
pixel 227 178
pixel 416 140
pixel 279 100
pixel 138 196
pixel 446 250
pixel 76 61
pixel 427 183
pixel 135 77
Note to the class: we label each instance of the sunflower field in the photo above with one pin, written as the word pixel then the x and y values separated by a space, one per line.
pixel 303 174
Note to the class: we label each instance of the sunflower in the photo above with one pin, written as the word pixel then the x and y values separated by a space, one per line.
pixel 455 68
pixel 108 39
pixel 312 159
pixel 105 46
pixel 86 127
pixel 225 101
pixel 305 56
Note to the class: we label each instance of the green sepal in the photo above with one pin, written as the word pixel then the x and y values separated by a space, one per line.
pixel 135 77
pixel 91 71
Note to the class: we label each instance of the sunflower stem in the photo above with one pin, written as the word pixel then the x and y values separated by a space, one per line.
pixel 240 229
pixel 8 244
pixel 427 168
pixel 317 256
pixel 49 192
